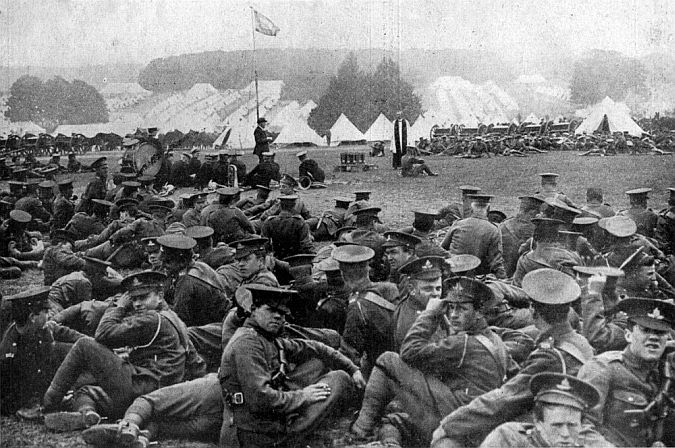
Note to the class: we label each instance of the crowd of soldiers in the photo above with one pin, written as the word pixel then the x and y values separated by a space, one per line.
pixel 520 145
pixel 251 320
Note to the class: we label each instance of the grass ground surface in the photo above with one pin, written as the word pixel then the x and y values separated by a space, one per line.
pixel 504 177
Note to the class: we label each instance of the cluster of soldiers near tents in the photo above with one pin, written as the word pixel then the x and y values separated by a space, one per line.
pixel 248 318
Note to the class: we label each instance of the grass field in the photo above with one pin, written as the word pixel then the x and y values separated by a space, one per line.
pixel 504 177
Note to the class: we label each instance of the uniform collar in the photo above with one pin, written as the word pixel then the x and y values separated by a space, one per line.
pixel 556 331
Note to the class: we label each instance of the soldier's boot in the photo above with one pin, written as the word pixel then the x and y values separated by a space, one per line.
pixel 390 436
pixel 72 421
pixel 378 394
pixel 7 273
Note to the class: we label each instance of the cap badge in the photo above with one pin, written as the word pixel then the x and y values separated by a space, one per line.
pixel 656 314
pixel 135 283
pixel 388 237
pixel 428 265
pixel 564 385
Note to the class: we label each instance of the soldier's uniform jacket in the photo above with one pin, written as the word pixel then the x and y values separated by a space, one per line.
pixel 198 295
pixel 64 209
pixel 33 206
pixel 96 189
pixel 158 354
pixel 479 237
pixel 217 256
pixel 309 166
pixel 249 362
pixel 545 255
pixel 559 350
pixel 333 219
pixel 665 230
pixel 191 218
pixel 83 225
pixel 514 231
pixel 58 261
pixel 69 290
pixel 204 175
pixel 299 209
pixel 470 363
pixel 103 236
pixel 228 223
pixel 263 173
pixel 406 312
pixel 83 317
pixel 28 362
pixel 288 234
pixel 246 203
pixel 645 218
pixel 625 383
pixel 232 277
pixel 368 326
pixel 23 245
pixel 525 435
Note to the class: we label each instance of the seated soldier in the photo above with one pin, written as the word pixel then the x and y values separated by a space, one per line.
pixel 254 370
pixel 30 352
pixel 467 361
pixel 59 258
pixel 96 281
pixel 412 166
pixel 264 172
pixel 159 356
pixel 84 225
pixel 16 242
pixel 262 195
pixel 309 168
pixel 195 291
pixel 195 409
pixel 325 227
pixel 288 232
pixel 213 256
pixel 560 402
pixel 251 265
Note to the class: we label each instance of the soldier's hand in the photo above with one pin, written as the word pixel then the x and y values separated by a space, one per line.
pixel 596 283
pixel 125 300
pixel 316 392
pixel 435 304
pixel 359 381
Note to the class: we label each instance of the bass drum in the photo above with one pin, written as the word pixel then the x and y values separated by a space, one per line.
pixel 149 160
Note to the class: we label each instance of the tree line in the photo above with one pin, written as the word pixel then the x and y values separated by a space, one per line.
pixel 55 102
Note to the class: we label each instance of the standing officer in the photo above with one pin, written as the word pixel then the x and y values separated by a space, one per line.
pixel 254 370
pixel 635 406
pixel 560 402
pixel 644 217
pixel 262 141
pixel 288 232
pixel 431 378
pixel 559 349
pixel 97 187
pixel 477 236
pixel 64 207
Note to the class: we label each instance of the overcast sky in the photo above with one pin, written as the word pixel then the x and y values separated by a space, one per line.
pixel 81 32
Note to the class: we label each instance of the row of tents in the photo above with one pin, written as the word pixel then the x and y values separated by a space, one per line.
pixel 606 116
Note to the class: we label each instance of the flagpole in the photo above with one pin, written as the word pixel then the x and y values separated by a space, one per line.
pixel 255 70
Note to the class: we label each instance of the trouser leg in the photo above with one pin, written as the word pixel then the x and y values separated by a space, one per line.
pixel 192 409
pixel 312 416
pixel 380 390
pixel 111 373
pixel 102 251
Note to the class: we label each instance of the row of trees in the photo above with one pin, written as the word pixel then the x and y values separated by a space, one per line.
pixel 607 73
pixel 55 102
pixel 363 96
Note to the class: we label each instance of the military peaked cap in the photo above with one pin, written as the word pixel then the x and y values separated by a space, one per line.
pixel 563 390
pixel 649 313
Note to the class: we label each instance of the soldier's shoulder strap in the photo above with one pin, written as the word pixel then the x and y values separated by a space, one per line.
pixel 611 356
pixel 375 299
pixel 497 351
pixel 572 350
